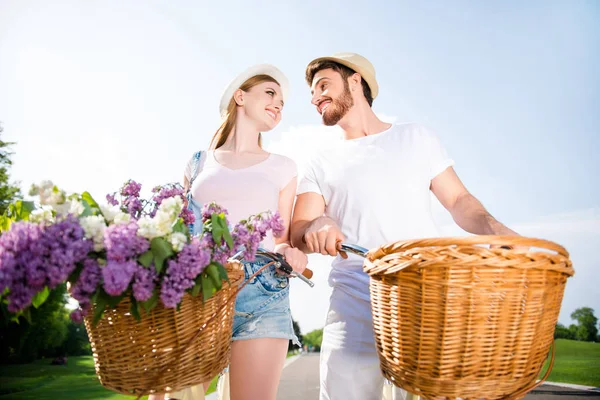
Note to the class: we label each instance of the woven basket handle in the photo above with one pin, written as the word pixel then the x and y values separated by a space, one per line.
pixel 535 383
pixel 504 241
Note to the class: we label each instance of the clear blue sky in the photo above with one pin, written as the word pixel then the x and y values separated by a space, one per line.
pixel 97 92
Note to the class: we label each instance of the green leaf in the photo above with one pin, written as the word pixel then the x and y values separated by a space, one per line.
pixel 134 309
pixel 40 297
pixel 228 238
pixel 213 273
pixel 217 228
pixel 75 274
pixel 161 250
pixel 114 300
pixel 207 287
pixel 20 210
pixel 151 302
pixel 87 210
pixel 197 286
pixel 26 314
pixel 100 305
pixel 5 223
pixel 180 227
pixel 146 258
pixel 222 272
pixel 87 197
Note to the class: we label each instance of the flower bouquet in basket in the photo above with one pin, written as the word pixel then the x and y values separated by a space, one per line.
pixel 157 302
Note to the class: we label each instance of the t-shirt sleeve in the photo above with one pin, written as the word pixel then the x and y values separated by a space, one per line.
pixel 439 160
pixel 288 172
pixel 308 180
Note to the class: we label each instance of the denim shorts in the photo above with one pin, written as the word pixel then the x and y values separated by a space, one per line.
pixel 262 308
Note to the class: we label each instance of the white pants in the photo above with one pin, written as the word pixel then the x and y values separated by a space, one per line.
pixel 350 368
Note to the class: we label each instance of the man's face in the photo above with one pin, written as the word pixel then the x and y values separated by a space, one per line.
pixel 331 95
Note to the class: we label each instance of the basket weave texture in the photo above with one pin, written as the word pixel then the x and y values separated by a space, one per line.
pixel 157 354
pixel 455 319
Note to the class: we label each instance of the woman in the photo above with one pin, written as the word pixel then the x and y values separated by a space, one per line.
pixel 245 179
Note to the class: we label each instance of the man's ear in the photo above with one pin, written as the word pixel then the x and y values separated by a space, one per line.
pixel 355 81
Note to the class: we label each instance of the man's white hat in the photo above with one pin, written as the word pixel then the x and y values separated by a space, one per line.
pixel 261 69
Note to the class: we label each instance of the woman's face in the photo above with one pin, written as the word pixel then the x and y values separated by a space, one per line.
pixel 263 104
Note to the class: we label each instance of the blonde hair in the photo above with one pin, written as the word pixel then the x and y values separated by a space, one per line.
pixel 222 134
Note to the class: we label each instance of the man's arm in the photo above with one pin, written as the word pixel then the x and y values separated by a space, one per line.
pixel 465 209
pixel 312 232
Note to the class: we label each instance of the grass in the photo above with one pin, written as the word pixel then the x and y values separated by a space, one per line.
pixel 40 380
pixel 576 362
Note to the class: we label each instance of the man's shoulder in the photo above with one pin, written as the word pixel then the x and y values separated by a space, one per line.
pixel 410 128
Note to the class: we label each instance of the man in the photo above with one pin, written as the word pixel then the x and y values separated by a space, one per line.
pixel 371 189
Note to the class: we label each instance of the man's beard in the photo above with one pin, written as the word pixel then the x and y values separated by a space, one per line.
pixel 338 107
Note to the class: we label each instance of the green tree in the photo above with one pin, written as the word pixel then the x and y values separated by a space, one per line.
pixel 77 342
pixel 9 192
pixel 586 327
pixel 314 339
pixel 42 336
pixel 562 332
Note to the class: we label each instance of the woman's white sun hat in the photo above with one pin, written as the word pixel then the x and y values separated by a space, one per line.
pixel 261 69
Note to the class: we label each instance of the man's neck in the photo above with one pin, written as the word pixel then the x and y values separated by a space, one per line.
pixel 361 121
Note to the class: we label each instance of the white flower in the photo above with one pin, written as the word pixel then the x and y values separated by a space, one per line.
pixel 121 218
pixel 164 222
pixel 147 228
pixel 76 208
pixel 94 227
pixel 178 241
pixel 55 197
pixel 110 211
pixel 41 215
pixel 171 206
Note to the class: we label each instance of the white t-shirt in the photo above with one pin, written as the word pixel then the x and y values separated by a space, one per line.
pixel 376 188
pixel 242 192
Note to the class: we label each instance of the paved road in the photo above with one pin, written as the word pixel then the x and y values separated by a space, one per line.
pixel 300 381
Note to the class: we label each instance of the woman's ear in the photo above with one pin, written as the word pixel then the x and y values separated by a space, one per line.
pixel 238 97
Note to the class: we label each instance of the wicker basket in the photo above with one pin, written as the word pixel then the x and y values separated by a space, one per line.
pixel 454 319
pixel 158 353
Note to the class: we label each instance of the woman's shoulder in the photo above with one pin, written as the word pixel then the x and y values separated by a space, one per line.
pixel 280 159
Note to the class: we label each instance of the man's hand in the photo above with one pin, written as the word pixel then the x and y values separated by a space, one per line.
pixel 322 236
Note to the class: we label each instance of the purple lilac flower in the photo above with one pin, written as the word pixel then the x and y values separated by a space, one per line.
pixel 122 242
pixel 277 225
pixel 20 297
pixel 117 276
pixel 188 216
pixel 212 208
pixel 191 262
pixel 134 206
pixel 110 198
pixel 77 316
pixel 88 281
pixel 33 256
pixel 66 247
pixel 131 189
pixel 165 193
pixel 252 246
pixel 221 254
pixel 144 282
pixel 240 234
pixel 261 225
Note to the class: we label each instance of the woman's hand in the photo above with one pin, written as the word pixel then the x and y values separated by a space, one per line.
pixel 296 258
